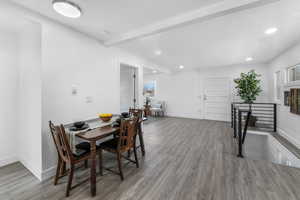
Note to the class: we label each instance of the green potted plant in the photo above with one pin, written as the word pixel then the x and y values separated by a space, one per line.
pixel 248 88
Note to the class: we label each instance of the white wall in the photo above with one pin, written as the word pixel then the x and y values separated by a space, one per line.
pixel 30 100
pixel 8 96
pixel 183 91
pixel 288 123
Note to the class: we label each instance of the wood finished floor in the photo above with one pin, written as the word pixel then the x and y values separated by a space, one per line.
pixel 186 160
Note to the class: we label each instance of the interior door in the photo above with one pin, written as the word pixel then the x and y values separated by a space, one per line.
pixel 217 99
pixel 128 87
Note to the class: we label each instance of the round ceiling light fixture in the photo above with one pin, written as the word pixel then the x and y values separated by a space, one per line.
pixel 67 8
pixel 271 31
pixel 154 71
pixel 181 67
pixel 249 59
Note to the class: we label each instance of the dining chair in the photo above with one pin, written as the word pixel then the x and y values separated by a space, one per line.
pixel 139 114
pixel 121 144
pixel 65 155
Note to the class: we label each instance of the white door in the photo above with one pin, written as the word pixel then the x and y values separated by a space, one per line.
pixel 217 99
pixel 128 87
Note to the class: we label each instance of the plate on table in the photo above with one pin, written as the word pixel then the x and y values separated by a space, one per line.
pixel 73 128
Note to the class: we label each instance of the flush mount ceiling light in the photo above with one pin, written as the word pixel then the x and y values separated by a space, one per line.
pixel 271 31
pixel 249 59
pixel 181 67
pixel 154 71
pixel 67 8
pixel 158 52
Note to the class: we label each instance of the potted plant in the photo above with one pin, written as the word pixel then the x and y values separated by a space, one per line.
pixel 248 88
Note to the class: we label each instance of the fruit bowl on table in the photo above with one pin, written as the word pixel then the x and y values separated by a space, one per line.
pixel 106 117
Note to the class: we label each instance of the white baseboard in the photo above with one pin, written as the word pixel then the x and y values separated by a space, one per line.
pixel 48 173
pixel 8 160
pixel 37 173
pixel 184 115
pixel 288 137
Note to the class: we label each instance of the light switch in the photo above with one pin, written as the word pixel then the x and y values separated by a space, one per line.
pixel 88 99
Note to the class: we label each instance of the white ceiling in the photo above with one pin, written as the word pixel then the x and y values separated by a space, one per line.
pixel 116 16
pixel 224 40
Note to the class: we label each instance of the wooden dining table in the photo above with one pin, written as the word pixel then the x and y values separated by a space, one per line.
pixel 93 136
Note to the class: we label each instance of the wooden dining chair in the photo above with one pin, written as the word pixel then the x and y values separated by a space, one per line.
pixel 122 144
pixel 65 155
pixel 139 114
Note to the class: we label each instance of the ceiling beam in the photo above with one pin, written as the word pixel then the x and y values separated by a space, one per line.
pixel 206 13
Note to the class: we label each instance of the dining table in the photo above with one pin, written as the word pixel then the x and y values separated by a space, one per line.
pixel 93 136
pixel 97 130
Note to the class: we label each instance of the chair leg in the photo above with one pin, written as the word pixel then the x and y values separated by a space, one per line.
pixel 128 153
pixel 100 163
pixel 86 164
pixel 69 186
pixel 135 156
pixel 120 165
pixel 141 138
pixel 59 163
pixel 63 168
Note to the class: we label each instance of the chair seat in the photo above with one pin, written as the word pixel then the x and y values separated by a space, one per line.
pixel 85 146
pixel 81 153
pixel 110 144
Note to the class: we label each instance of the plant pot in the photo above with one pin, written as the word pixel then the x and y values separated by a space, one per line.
pixel 252 120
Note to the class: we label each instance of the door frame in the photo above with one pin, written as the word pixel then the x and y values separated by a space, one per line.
pixel 136 84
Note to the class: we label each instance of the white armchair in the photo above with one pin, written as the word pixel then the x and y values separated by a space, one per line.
pixel 158 108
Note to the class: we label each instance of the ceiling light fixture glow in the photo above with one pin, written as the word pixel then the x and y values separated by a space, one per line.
pixel 67 8
pixel 181 67
pixel 271 31
pixel 154 71
pixel 158 52
pixel 249 59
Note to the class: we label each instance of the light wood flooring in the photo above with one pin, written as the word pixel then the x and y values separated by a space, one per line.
pixel 186 160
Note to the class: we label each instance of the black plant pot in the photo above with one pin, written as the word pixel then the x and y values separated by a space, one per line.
pixel 252 120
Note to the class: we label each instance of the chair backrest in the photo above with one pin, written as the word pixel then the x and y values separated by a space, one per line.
pixel 136 112
pixel 128 131
pixel 61 142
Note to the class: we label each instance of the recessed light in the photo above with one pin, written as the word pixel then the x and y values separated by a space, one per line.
pixel 249 59
pixel 67 8
pixel 154 71
pixel 181 67
pixel 158 52
pixel 271 31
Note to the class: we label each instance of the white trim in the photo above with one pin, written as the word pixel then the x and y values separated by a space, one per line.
pixel 205 13
pixel 185 115
pixel 37 173
pixel 48 173
pixel 288 137
pixel 8 160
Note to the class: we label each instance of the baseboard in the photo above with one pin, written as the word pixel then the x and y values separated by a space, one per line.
pixel 37 173
pixel 184 115
pixel 8 160
pixel 288 137
pixel 48 173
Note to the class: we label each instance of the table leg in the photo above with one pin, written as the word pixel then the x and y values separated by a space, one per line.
pixel 93 168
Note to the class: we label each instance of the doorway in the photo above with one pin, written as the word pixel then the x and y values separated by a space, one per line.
pixel 128 87
pixel 217 98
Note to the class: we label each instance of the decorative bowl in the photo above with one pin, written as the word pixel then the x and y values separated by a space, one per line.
pixel 106 117
pixel 79 124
